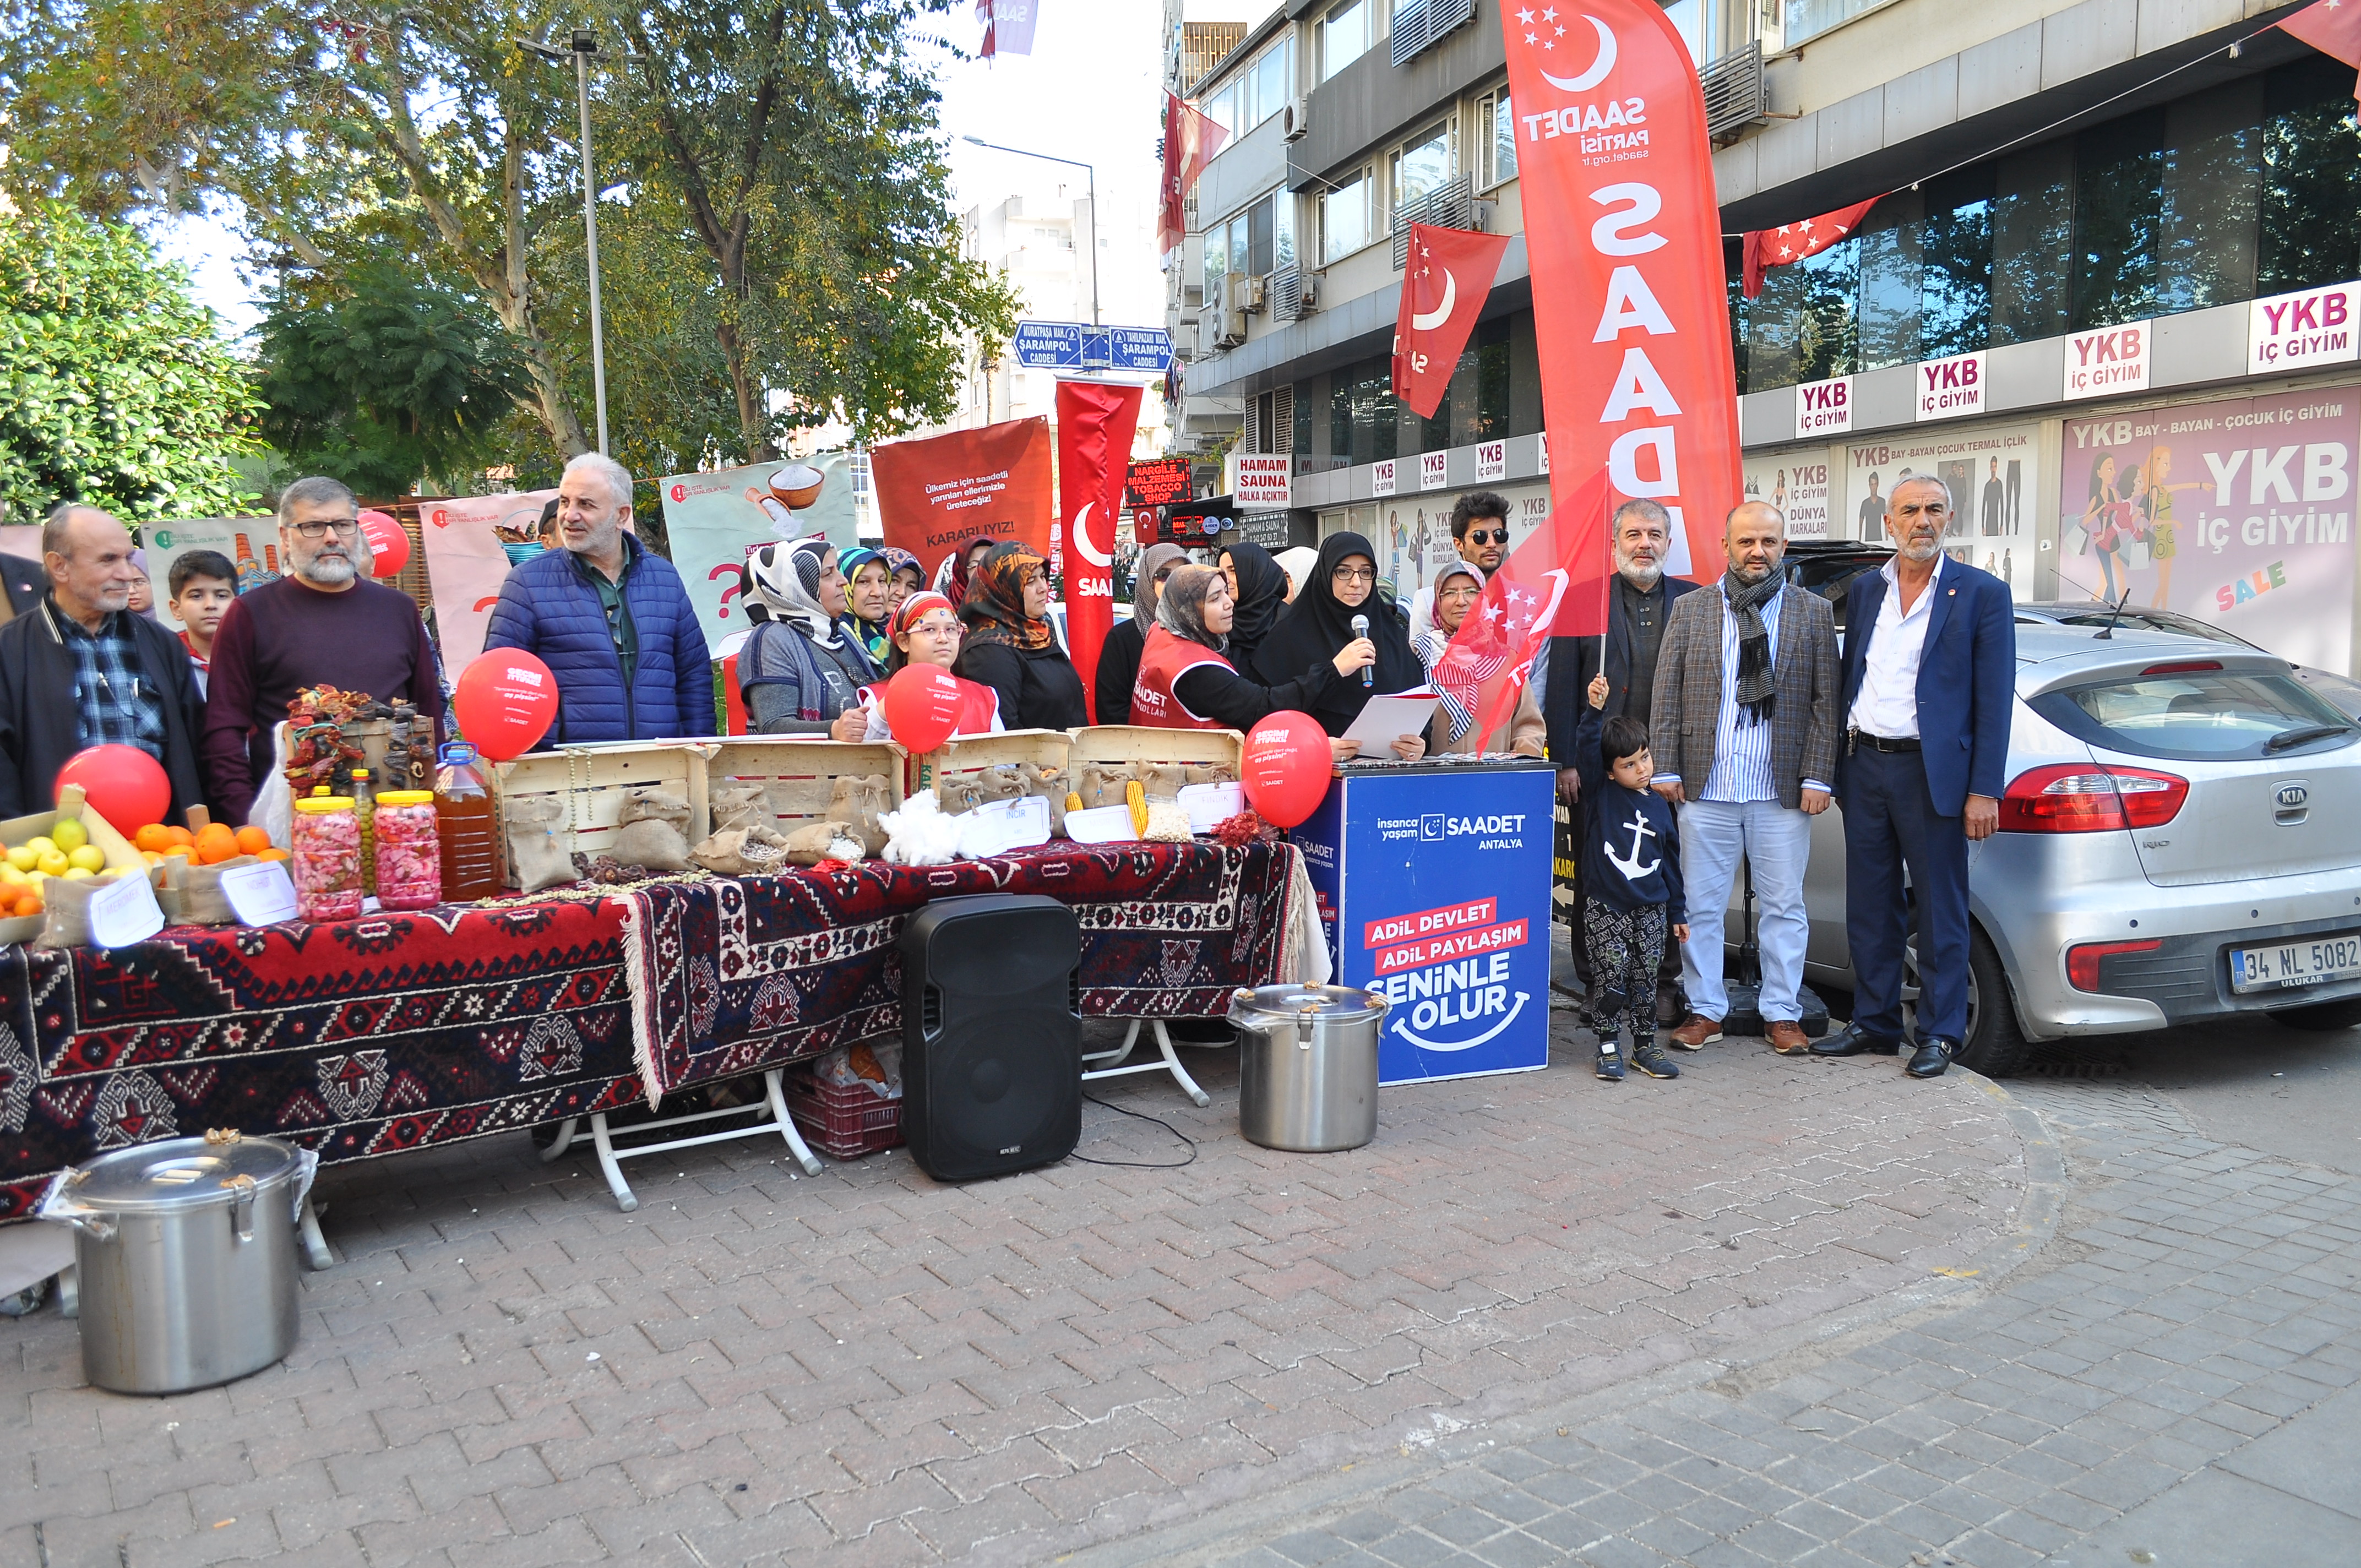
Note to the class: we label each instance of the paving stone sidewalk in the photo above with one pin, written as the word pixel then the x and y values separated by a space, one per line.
pixel 870 1368
pixel 2195 1321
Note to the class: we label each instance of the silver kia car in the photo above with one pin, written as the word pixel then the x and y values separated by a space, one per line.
pixel 2179 839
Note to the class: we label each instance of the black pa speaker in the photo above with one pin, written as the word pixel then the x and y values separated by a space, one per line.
pixel 992 1034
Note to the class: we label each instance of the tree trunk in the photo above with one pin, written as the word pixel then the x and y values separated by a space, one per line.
pixel 753 420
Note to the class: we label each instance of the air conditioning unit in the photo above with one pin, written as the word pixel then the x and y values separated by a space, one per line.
pixel 1295 119
pixel 1220 328
pixel 1246 293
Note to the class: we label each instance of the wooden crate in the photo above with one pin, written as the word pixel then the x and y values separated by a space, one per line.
pixel 1131 745
pixel 799 772
pixel 976 753
pixel 592 781
pixel 16 830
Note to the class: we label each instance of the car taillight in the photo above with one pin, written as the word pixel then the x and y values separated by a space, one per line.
pixel 2082 962
pixel 2090 798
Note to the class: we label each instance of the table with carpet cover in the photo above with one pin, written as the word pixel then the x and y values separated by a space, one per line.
pixel 395 1032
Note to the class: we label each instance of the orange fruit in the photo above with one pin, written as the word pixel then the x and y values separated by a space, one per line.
pixel 273 854
pixel 252 840
pixel 182 838
pixel 216 843
pixel 28 904
pixel 155 836
pixel 153 857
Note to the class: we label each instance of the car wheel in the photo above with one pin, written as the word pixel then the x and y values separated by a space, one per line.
pixel 2320 1015
pixel 1995 1046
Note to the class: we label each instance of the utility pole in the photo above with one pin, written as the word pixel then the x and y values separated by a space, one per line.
pixel 581 46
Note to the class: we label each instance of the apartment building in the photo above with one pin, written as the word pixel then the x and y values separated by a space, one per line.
pixel 2106 291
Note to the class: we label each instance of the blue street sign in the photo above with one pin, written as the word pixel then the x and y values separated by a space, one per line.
pixel 1072 346
pixel 1050 345
pixel 1142 348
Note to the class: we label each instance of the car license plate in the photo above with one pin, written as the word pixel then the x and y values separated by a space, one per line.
pixel 2308 960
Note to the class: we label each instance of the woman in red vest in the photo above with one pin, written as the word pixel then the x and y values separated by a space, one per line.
pixel 924 630
pixel 1186 683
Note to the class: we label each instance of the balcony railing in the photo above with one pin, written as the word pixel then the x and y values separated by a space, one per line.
pixel 1733 92
pixel 1419 23
pixel 1451 205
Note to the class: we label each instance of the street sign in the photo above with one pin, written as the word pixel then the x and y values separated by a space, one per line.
pixel 1072 346
pixel 1159 481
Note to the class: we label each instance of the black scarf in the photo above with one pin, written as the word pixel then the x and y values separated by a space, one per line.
pixel 1317 626
pixel 1758 684
pixel 1261 596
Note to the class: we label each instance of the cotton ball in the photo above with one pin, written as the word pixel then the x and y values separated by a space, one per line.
pixel 920 834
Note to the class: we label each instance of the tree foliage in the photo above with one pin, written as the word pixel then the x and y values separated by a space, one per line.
pixel 115 387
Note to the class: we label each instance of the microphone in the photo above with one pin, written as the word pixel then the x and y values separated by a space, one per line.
pixel 1361 629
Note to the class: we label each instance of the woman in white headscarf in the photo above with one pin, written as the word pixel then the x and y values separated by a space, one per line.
pixel 800 671
pixel 1457 586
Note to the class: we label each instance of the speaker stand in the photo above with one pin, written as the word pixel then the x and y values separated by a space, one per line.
pixel 1109 1063
pixel 773 1108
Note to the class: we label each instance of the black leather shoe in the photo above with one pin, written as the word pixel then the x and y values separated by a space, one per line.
pixel 1849 1041
pixel 1930 1059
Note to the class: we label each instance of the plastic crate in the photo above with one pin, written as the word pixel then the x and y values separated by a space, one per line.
pixel 843 1123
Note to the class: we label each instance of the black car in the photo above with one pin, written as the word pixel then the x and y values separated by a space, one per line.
pixel 1828 567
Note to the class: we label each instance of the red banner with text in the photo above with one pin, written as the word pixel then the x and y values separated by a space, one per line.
pixel 1629 304
pixel 1095 424
pixel 935 494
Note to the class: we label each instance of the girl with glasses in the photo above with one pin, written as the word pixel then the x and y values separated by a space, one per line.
pixel 1343 584
pixel 923 630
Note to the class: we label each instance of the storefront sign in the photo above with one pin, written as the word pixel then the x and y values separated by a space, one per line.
pixel 1823 408
pixel 2239 513
pixel 1158 481
pixel 1381 478
pixel 1264 479
pixel 2310 326
pixel 1949 389
pixel 1433 470
pixel 1268 528
pixel 1795 481
pixel 1491 460
pixel 1993 473
pixel 2111 360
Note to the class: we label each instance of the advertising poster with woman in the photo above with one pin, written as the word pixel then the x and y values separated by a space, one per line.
pixel 2239 513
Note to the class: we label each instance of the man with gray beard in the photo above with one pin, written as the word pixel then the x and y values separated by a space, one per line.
pixel 320 624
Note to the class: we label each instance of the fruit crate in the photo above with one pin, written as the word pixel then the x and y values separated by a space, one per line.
pixel 1141 745
pixel 592 782
pixel 979 753
pixel 16 830
pixel 843 1122
pixel 799 774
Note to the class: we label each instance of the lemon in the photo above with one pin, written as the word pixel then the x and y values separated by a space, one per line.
pixel 36 878
pixel 88 857
pixel 53 862
pixel 24 857
pixel 68 834
pixel 77 874
pixel 41 844
pixel 10 876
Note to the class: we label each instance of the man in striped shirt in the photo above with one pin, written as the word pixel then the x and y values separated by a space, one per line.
pixel 1745 715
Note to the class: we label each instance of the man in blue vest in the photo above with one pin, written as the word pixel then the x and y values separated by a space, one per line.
pixel 612 621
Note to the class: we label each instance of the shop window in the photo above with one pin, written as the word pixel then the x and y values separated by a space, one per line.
pixel 2212 181
pixel 1890 276
pixel 2311 196
pixel 1344 225
pixel 2032 224
pixel 1496 140
pixel 2118 219
pixel 1955 250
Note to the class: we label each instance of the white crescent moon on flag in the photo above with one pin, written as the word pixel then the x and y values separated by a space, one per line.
pixel 1085 547
pixel 1427 321
pixel 1599 67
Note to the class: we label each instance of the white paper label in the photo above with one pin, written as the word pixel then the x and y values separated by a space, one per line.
pixel 259 894
pixel 1005 825
pixel 1210 805
pixel 125 911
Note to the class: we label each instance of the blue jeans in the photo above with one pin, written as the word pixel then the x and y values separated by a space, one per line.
pixel 1778 843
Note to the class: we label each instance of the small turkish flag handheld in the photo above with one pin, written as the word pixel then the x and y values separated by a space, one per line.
pixel 1445 282
pixel 1766 248
pixel 2333 28
pixel 1190 139
pixel 1555 585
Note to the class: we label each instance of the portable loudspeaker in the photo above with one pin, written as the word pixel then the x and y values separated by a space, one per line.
pixel 992 1034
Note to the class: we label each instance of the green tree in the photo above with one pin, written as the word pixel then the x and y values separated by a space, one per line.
pixel 116 387
pixel 397 380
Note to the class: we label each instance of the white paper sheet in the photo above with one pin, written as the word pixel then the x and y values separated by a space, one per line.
pixel 259 894
pixel 1385 717
pixel 1005 825
pixel 125 911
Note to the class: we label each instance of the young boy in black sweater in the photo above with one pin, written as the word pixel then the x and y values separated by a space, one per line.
pixel 1631 885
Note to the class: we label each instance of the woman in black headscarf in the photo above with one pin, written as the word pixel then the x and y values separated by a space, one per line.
pixel 1343 584
pixel 1119 654
pixel 1188 682
pixel 1259 590
pixel 1011 646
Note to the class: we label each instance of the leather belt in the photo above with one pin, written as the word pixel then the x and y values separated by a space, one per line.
pixel 1886 742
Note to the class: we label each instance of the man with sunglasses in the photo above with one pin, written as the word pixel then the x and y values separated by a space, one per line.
pixel 1480 527
pixel 321 623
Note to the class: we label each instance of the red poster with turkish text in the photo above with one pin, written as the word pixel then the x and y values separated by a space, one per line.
pixel 1625 240
pixel 935 494
pixel 1449 275
pixel 1095 424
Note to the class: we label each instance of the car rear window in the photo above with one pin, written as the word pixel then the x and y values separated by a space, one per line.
pixel 2152 620
pixel 2195 715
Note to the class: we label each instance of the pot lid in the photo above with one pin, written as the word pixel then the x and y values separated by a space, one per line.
pixel 179 1173
pixel 1332 1001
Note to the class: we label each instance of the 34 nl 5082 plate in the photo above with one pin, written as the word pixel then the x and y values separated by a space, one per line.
pixel 2309 961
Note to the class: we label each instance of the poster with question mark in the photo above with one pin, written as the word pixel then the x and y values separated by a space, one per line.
pixel 713 520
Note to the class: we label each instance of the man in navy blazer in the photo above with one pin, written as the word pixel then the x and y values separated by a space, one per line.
pixel 1929 678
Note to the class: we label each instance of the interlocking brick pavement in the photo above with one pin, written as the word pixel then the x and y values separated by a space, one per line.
pixel 867 1367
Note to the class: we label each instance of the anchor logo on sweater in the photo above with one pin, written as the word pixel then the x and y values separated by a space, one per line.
pixel 1631 869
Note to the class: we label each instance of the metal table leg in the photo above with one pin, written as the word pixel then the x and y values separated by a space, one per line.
pixel 315 1244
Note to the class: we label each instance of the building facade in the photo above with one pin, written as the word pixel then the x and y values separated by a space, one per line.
pixel 2106 291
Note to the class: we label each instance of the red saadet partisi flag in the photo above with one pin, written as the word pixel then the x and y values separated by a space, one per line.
pixel 1766 248
pixel 1008 25
pixel 1630 303
pixel 1553 585
pixel 1095 423
pixel 2333 28
pixel 1190 139
pixel 1449 273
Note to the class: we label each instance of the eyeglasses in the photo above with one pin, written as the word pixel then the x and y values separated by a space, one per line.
pixel 1487 535
pixel 346 527
pixel 1160 573
pixel 1354 574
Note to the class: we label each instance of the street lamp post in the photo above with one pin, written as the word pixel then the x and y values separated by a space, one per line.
pixel 581 46
pixel 1092 176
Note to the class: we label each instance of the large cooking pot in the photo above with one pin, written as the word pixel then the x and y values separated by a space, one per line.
pixel 186 1254
pixel 1308 1065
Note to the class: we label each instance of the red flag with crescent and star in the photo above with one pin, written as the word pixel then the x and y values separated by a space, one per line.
pixel 1446 280
pixel 1096 421
pixel 1766 248
pixel 1190 139
pixel 1552 584
pixel 2333 28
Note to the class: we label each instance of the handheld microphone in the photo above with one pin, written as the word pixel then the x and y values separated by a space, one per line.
pixel 1361 629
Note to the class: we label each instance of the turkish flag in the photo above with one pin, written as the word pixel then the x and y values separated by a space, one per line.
pixel 1552 584
pixel 2333 28
pixel 1766 248
pixel 1448 275
pixel 1095 424
pixel 1190 139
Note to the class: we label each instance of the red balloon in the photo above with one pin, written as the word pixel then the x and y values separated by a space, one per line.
pixel 922 706
pixel 1287 767
pixel 121 784
pixel 388 545
pixel 505 701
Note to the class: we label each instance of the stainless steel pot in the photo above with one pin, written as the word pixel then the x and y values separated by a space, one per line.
pixel 1308 1065
pixel 186 1253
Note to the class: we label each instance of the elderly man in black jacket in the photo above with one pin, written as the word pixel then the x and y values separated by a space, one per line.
pixel 78 670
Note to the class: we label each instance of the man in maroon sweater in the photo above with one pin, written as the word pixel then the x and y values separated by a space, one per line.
pixel 320 625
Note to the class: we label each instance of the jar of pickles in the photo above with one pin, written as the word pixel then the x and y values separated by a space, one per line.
pixel 409 858
pixel 326 855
